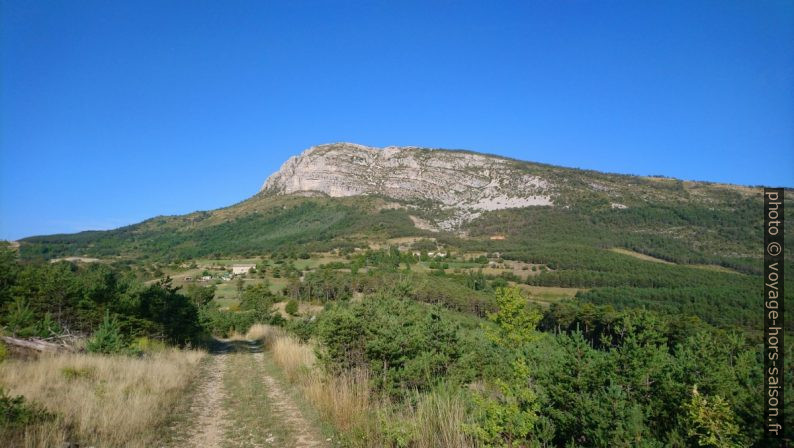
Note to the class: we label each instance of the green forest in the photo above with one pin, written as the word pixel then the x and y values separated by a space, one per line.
pixel 650 355
pixel 579 325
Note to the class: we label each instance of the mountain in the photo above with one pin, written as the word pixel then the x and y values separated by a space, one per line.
pixel 463 182
pixel 345 195
pixel 460 185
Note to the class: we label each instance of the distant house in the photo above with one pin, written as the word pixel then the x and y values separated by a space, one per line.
pixel 497 237
pixel 206 278
pixel 238 269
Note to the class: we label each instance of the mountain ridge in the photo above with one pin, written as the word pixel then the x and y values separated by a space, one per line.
pixel 374 149
pixel 465 183
pixel 348 195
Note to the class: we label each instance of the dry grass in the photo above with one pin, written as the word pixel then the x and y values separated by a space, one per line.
pixel 439 418
pixel 714 267
pixel 304 308
pixel 295 359
pixel 263 333
pixel 638 255
pixel 358 414
pixel 344 400
pixel 102 400
pixel 546 295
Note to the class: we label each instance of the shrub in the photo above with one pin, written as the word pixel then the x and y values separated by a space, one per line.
pixel 510 409
pixel 16 413
pixel 224 323
pixel 258 300
pixel 711 421
pixel 46 327
pixel 148 345
pixel 20 319
pixel 303 328
pixel 74 373
pixel 405 346
pixel 277 320
pixel 107 338
pixel 292 307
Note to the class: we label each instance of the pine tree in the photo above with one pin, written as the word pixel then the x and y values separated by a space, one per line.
pixel 107 338
pixel 711 421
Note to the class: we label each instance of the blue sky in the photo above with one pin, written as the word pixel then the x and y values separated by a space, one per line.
pixel 114 112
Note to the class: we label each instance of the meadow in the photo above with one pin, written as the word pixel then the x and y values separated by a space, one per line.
pixel 98 399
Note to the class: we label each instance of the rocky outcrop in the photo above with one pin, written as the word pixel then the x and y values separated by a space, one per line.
pixel 464 182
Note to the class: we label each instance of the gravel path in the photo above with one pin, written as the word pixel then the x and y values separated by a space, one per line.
pixel 239 404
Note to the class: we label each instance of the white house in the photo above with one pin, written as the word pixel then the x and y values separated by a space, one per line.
pixel 238 269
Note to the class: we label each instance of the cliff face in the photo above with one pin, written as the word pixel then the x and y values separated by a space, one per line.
pixel 465 183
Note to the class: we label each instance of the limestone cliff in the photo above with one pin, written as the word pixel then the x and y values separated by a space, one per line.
pixel 464 182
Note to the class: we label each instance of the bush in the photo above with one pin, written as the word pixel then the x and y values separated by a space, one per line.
pixel 75 373
pixel 15 413
pixel 292 307
pixel 277 320
pixel 148 345
pixel 258 300
pixel 224 323
pixel 406 345
pixel 20 319
pixel 107 338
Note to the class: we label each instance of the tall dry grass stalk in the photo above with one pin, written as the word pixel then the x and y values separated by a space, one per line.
pixel 439 418
pixel 296 360
pixel 344 400
pixel 349 404
pixel 102 400
pixel 262 333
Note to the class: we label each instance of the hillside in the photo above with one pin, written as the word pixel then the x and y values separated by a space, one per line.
pixel 417 289
pixel 659 243
pixel 349 195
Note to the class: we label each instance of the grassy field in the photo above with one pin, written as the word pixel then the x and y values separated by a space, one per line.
pixel 316 260
pixel 707 267
pixel 713 267
pixel 304 309
pixel 631 253
pixel 206 262
pixel 226 291
pixel 546 295
pixel 100 400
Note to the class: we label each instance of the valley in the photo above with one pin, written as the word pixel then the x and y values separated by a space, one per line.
pixel 404 297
